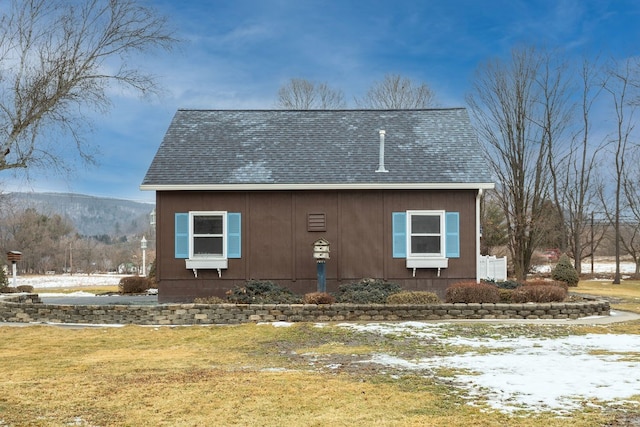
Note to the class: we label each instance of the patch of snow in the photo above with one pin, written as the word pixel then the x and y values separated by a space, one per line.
pixel 539 374
pixel 276 324
pixel 70 294
pixel 599 266
pixel 275 370
pixel 68 280
pixel 281 324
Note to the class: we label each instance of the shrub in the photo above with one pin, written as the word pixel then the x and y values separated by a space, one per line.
pixel 25 288
pixel 133 285
pixel 413 297
pixel 508 284
pixel 367 291
pixel 4 278
pixel 539 293
pixel 472 292
pixel 8 290
pixel 318 298
pixel 151 274
pixel 565 272
pixel 209 300
pixel 505 295
pixel 539 282
pixel 261 292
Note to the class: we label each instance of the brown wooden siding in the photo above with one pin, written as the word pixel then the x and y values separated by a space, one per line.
pixel 268 227
pixel 277 245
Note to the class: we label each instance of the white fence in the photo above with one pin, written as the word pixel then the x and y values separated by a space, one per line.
pixel 492 268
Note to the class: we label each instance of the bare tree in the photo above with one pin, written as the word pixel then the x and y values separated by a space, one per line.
pixel 620 86
pixel 506 105
pixel 555 113
pixel 397 92
pixel 59 58
pixel 39 237
pixel 493 221
pixel 301 94
pixel 574 171
pixel 630 239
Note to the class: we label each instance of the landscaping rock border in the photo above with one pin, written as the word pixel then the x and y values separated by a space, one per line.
pixel 27 308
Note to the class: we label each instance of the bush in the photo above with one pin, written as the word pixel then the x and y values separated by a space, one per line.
pixel 539 282
pixel 151 274
pixel 133 285
pixel 472 292
pixel 8 290
pixel 318 298
pixel 413 297
pixel 505 295
pixel 4 278
pixel 25 288
pixel 538 293
pixel 209 300
pixel 262 292
pixel 508 284
pixel 565 272
pixel 367 291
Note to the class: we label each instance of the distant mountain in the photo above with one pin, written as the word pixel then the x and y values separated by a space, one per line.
pixel 91 216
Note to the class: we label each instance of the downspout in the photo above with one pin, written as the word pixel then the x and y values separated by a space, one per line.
pixel 381 155
pixel 478 197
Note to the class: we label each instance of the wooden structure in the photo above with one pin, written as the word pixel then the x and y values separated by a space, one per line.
pixel 14 256
pixel 245 194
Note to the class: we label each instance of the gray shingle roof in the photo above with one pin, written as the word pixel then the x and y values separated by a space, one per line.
pixel 317 147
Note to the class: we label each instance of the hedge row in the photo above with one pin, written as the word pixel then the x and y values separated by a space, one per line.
pixel 375 291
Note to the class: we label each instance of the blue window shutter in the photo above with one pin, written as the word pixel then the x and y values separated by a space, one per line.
pixel 182 235
pixel 234 235
pixel 399 230
pixel 452 238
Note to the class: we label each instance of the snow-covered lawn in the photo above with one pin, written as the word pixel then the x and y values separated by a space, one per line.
pixel 68 280
pixel 600 266
pixel 523 373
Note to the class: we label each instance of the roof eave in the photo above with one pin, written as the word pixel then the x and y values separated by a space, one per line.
pixel 319 186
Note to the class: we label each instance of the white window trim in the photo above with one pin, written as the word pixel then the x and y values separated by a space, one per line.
pixel 196 262
pixel 435 260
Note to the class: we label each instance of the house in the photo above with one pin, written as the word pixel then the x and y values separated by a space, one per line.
pixel 244 195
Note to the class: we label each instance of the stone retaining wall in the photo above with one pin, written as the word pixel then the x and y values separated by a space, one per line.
pixel 28 308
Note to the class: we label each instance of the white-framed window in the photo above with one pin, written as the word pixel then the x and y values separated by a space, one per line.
pixel 207 235
pixel 426 238
pixel 425 232
pixel 207 239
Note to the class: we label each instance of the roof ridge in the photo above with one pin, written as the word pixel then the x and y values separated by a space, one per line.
pixel 257 110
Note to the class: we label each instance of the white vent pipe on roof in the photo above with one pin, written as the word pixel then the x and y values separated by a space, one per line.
pixel 381 159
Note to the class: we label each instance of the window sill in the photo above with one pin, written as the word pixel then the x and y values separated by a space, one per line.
pixel 206 264
pixel 427 262
pixel 203 264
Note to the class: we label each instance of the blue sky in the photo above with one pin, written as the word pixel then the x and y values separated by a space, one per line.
pixel 236 54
